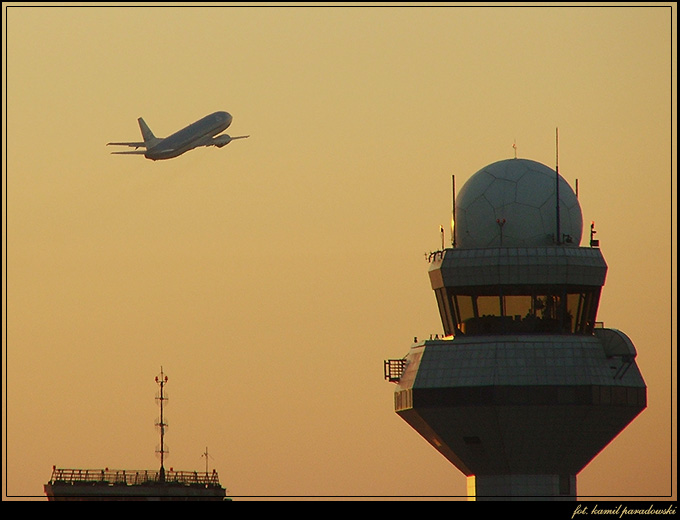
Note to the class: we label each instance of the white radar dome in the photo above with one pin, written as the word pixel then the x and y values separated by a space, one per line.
pixel 512 203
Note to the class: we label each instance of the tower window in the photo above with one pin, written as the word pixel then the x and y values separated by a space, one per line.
pixel 518 310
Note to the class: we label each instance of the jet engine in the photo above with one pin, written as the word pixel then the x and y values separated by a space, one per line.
pixel 221 140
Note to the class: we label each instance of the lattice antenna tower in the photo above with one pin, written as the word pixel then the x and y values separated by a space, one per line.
pixel 161 397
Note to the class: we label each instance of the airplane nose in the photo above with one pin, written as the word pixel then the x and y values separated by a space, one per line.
pixel 227 118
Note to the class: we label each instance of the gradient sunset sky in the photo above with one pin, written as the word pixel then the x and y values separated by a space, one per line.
pixel 271 278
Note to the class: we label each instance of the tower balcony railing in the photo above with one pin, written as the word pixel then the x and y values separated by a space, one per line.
pixel 394 368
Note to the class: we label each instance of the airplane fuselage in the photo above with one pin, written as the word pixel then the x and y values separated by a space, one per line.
pixel 196 134
pixel 201 133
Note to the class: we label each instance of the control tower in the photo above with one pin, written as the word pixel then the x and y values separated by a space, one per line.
pixel 525 387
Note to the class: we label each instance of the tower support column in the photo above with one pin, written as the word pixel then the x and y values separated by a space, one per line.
pixel 521 487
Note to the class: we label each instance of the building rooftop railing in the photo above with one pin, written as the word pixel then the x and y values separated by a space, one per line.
pixel 132 477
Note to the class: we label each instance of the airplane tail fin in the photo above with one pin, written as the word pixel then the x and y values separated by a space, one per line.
pixel 147 134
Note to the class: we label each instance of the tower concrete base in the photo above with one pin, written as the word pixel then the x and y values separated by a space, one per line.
pixel 521 487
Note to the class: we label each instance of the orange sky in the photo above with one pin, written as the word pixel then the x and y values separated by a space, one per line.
pixel 271 278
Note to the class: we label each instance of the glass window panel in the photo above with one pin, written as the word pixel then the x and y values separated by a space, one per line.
pixel 465 312
pixel 489 319
pixel 488 306
pixel 465 309
pixel 517 305
pixel 445 311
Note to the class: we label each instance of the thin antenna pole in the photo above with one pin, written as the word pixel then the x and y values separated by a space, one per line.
pixel 206 460
pixel 558 238
pixel 453 211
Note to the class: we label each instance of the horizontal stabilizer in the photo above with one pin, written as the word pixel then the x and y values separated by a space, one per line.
pixel 136 152
pixel 136 145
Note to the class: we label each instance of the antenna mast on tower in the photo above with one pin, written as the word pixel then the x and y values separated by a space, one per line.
pixel 161 381
pixel 206 455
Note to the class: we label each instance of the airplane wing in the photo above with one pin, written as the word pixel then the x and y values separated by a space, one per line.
pixel 136 152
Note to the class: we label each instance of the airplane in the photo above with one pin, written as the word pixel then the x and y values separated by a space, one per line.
pixel 201 133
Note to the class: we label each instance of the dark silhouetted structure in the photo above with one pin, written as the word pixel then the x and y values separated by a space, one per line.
pixel 525 388
pixel 122 485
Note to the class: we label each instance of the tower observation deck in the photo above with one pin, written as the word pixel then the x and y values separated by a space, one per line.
pixel 131 485
pixel 525 387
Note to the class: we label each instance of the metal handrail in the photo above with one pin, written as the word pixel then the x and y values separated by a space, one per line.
pixel 132 477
